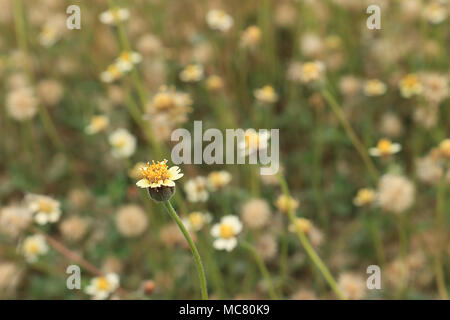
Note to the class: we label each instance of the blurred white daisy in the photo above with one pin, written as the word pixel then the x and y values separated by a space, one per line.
pixel 45 209
pixel 385 148
pixel 219 20
pixel 114 15
pixel 33 247
pixel 123 143
pixel 226 232
pixel 101 287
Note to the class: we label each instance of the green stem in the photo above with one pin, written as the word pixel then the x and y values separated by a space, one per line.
pixel 377 243
pixel 307 246
pixel 359 146
pixel 197 259
pixel 262 268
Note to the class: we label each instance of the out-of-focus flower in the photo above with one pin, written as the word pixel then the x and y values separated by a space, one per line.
pixel 285 14
pixel 219 20
pixel 218 180
pixel 226 232
pixel 364 197
pixel 114 16
pixel 251 37
pixel 435 12
pixel 385 148
pixel 395 193
pixel 14 220
pixel 214 83
pixel 131 220
pixel 192 73
pixel 45 209
pixel 349 85
pixel 374 88
pixel 73 228
pixel 157 175
pixel 21 104
pixel 302 224
pixel 98 123
pixel 48 36
pixel 267 246
pixel 197 220
pixel 410 86
pixel 254 141
pixel 435 87
pixel 391 125
pixel 123 143
pixel 444 149
pixel 101 287
pixel 256 213
pixel 50 92
pixel 353 286
pixel 304 294
pixel 429 170
pixel 284 203
pixel 311 45
pixel 266 94
pixel 111 74
pixel 196 189
pixel 312 71
pixel 10 277
pixel 33 247
pixel 127 60
pixel 136 171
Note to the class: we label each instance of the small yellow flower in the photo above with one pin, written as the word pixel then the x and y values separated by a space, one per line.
pixel 214 83
pixel 251 37
pixel 312 71
pixel 112 73
pixel 284 203
pixel 123 143
pixel 136 172
pixel 225 233
pixel 385 148
pixel 219 20
pixel 218 179
pixel 45 209
pixel 444 149
pixel 157 175
pixel 435 12
pixel 98 123
pixel 192 73
pixel 127 60
pixel 101 287
pixel 374 87
pixel 197 220
pixel 364 197
pixel 33 247
pixel 114 16
pixel 266 94
pixel 410 86
pixel 254 141
pixel 302 224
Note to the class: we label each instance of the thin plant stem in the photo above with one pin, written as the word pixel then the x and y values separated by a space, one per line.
pixel 359 146
pixel 262 268
pixel 376 238
pixel 197 259
pixel 308 247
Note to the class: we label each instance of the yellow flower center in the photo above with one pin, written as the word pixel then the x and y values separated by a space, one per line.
pixel 365 196
pixel 99 122
pixel 196 219
pixel 384 146
pixel 103 284
pixel 120 142
pixel 410 81
pixel 125 56
pixel 226 231
pixel 309 68
pixel 45 206
pixel 155 172
pixel 114 70
pixel 252 140
pixel 163 101
pixel 32 247
pixel 303 225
